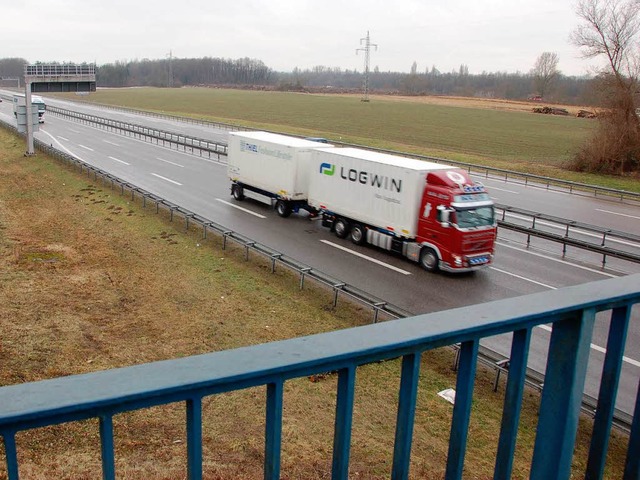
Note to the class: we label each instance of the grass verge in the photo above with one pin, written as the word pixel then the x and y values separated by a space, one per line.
pixel 91 281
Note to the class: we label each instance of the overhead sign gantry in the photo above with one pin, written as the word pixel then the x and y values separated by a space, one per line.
pixel 42 78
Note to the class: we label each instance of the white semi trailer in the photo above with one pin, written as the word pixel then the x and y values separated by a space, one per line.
pixel 272 165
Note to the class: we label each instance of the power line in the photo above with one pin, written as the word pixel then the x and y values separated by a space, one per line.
pixel 366 50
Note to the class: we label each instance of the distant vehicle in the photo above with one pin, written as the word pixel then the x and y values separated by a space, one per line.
pixel 18 99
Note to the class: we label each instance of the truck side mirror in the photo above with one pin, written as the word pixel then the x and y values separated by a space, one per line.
pixel 443 216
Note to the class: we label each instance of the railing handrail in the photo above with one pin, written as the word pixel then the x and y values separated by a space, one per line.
pixel 75 396
pixel 106 393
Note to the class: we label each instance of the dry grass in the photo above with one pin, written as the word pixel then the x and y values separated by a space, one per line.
pixel 473 102
pixel 90 281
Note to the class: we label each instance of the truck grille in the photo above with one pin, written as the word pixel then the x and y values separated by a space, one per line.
pixel 472 245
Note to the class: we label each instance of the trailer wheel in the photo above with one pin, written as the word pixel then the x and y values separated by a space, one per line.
pixel 237 191
pixel 429 259
pixel 358 234
pixel 341 227
pixel 283 208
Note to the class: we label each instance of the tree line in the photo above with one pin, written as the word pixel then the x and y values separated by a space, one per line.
pixel 245 72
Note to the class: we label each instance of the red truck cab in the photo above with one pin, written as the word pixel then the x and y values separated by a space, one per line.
pixel 457 227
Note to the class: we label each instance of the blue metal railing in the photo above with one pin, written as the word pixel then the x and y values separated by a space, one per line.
pixel 571 310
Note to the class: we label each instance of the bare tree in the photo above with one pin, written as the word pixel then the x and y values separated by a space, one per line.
pixel 609 30
pixel 545 72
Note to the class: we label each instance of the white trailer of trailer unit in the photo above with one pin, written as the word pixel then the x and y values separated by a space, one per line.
pixel 270 163
pixel 377 189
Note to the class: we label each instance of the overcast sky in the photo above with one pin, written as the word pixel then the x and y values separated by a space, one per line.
pixel 485 35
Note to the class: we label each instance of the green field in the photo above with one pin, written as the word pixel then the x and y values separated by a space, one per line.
pixel 515 140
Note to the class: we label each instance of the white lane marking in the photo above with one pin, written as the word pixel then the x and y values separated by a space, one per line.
pixel 63 147
pixel 357 254
pixel 523 278
pixel 172 163
pixel 504 190
pixel 85 147
pixel 240 208
pixel 166 179
pixel 616 213
pixel 598 348
pixel 111 143
pixel 62 138
pixel 581 267
pixel 74 131
pixel 118 160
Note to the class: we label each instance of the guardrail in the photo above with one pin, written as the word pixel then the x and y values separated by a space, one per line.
pixel 154 135
pixel 337 287
pixel 570 233
pixel 572 311
pixel 499 173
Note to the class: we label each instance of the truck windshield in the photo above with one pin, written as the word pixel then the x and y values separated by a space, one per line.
pixel 474 217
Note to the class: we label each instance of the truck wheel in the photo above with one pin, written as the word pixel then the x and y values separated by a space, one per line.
pixel 358 234
pixel 341 227
pixel 238 192
pixel 283 208
pixel 429 259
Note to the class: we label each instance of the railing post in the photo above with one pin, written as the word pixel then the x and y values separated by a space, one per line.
pixel 273 431
pixel 406 416
pixel 462 409
pixel 343 422
pixel 632 464
pixel 224 238
pixel 11 453
pixel 562 397
pixel 303 271
pixel 512 404
pixel 247 246
pixel 106 448
pixel 274 258
pixel 194 439
pixel 607 395
pixel 336 289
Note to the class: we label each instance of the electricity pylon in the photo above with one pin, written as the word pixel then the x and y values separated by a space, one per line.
pixel 366 50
